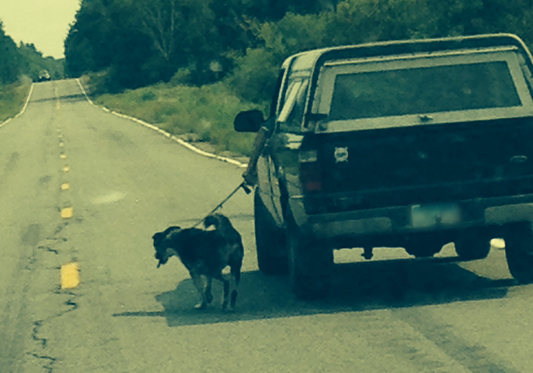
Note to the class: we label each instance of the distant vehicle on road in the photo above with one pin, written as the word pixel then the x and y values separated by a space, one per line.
pixel 44 76
pixel 409 144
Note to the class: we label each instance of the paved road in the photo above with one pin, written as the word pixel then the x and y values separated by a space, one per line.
pixel 80 186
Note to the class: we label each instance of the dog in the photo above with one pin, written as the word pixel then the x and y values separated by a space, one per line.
pixel 205 252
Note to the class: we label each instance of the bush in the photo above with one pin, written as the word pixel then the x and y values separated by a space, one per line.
pixel 254 78
pixel 12 98
pixel 200 113
pixel 182 77
pixel 148 96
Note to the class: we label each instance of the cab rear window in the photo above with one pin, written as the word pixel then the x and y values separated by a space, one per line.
pixel 422 90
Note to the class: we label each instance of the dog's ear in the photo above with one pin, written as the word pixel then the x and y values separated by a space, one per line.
pixel 158 237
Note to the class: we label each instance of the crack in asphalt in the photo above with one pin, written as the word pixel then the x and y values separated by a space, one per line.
pixel 36 326
pixel 49 249
pixel 59 228
pixel 49 368
pixel 48 361
pixel 57 239
pixel 42 341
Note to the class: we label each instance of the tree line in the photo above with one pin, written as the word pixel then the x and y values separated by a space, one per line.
pixel 24 59
pixel 134 43
pixel 9 58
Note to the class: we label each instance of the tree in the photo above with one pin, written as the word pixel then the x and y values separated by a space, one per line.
pixel 9 58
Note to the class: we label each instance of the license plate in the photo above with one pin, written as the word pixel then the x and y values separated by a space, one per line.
pixel 423 216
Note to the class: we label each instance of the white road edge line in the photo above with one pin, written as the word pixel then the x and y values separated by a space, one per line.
pixel 164 133
pixel 23 108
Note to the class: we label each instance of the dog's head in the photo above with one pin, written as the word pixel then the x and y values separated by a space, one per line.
pixel 162 242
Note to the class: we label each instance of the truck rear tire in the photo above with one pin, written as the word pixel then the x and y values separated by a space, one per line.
pixel 519 252
pixel 270 241
pixel 310 264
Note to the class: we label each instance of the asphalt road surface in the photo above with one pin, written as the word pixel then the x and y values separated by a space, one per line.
pixel 83 191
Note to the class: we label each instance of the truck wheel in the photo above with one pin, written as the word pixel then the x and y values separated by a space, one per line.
pixel 471 246
pixel 519 252
pixel 272 257
pixel 310 264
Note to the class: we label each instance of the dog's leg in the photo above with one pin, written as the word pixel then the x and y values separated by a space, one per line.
pixel 226 294
pixel 235 277
pixel 208 294
pixel 225 302
pixel 199 283
pixel 233 286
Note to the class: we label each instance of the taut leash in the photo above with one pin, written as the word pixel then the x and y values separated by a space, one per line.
pixel 241 185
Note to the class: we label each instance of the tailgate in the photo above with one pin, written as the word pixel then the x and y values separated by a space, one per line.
pixel 423 164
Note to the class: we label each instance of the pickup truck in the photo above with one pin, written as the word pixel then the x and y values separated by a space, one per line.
pixel 410 144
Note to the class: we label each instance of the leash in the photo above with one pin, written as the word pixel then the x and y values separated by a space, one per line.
pixel 241 185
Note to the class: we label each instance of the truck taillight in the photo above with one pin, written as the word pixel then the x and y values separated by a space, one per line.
pixel 310 171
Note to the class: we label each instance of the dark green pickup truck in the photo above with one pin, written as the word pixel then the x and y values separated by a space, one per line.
pixel 410 144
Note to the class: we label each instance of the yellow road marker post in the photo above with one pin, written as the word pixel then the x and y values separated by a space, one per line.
pixel 70 276
pixel 67 212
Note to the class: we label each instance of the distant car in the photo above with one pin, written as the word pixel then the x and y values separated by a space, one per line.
pixel 44 76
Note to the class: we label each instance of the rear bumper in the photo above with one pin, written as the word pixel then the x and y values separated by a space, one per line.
pixel 388 226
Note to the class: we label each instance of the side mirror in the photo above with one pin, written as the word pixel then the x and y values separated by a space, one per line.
pixel 248 121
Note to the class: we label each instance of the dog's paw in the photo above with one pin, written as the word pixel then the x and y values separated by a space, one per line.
pixel 201 306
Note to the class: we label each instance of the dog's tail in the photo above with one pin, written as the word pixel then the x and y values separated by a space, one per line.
pixel 216 220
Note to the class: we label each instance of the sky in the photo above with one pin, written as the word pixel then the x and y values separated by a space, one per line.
pixel 44 23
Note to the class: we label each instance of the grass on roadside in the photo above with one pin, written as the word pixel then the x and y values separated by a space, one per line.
pixel 198 114
pixel 12 99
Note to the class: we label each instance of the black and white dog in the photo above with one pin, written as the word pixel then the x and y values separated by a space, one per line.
pixel 205 252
